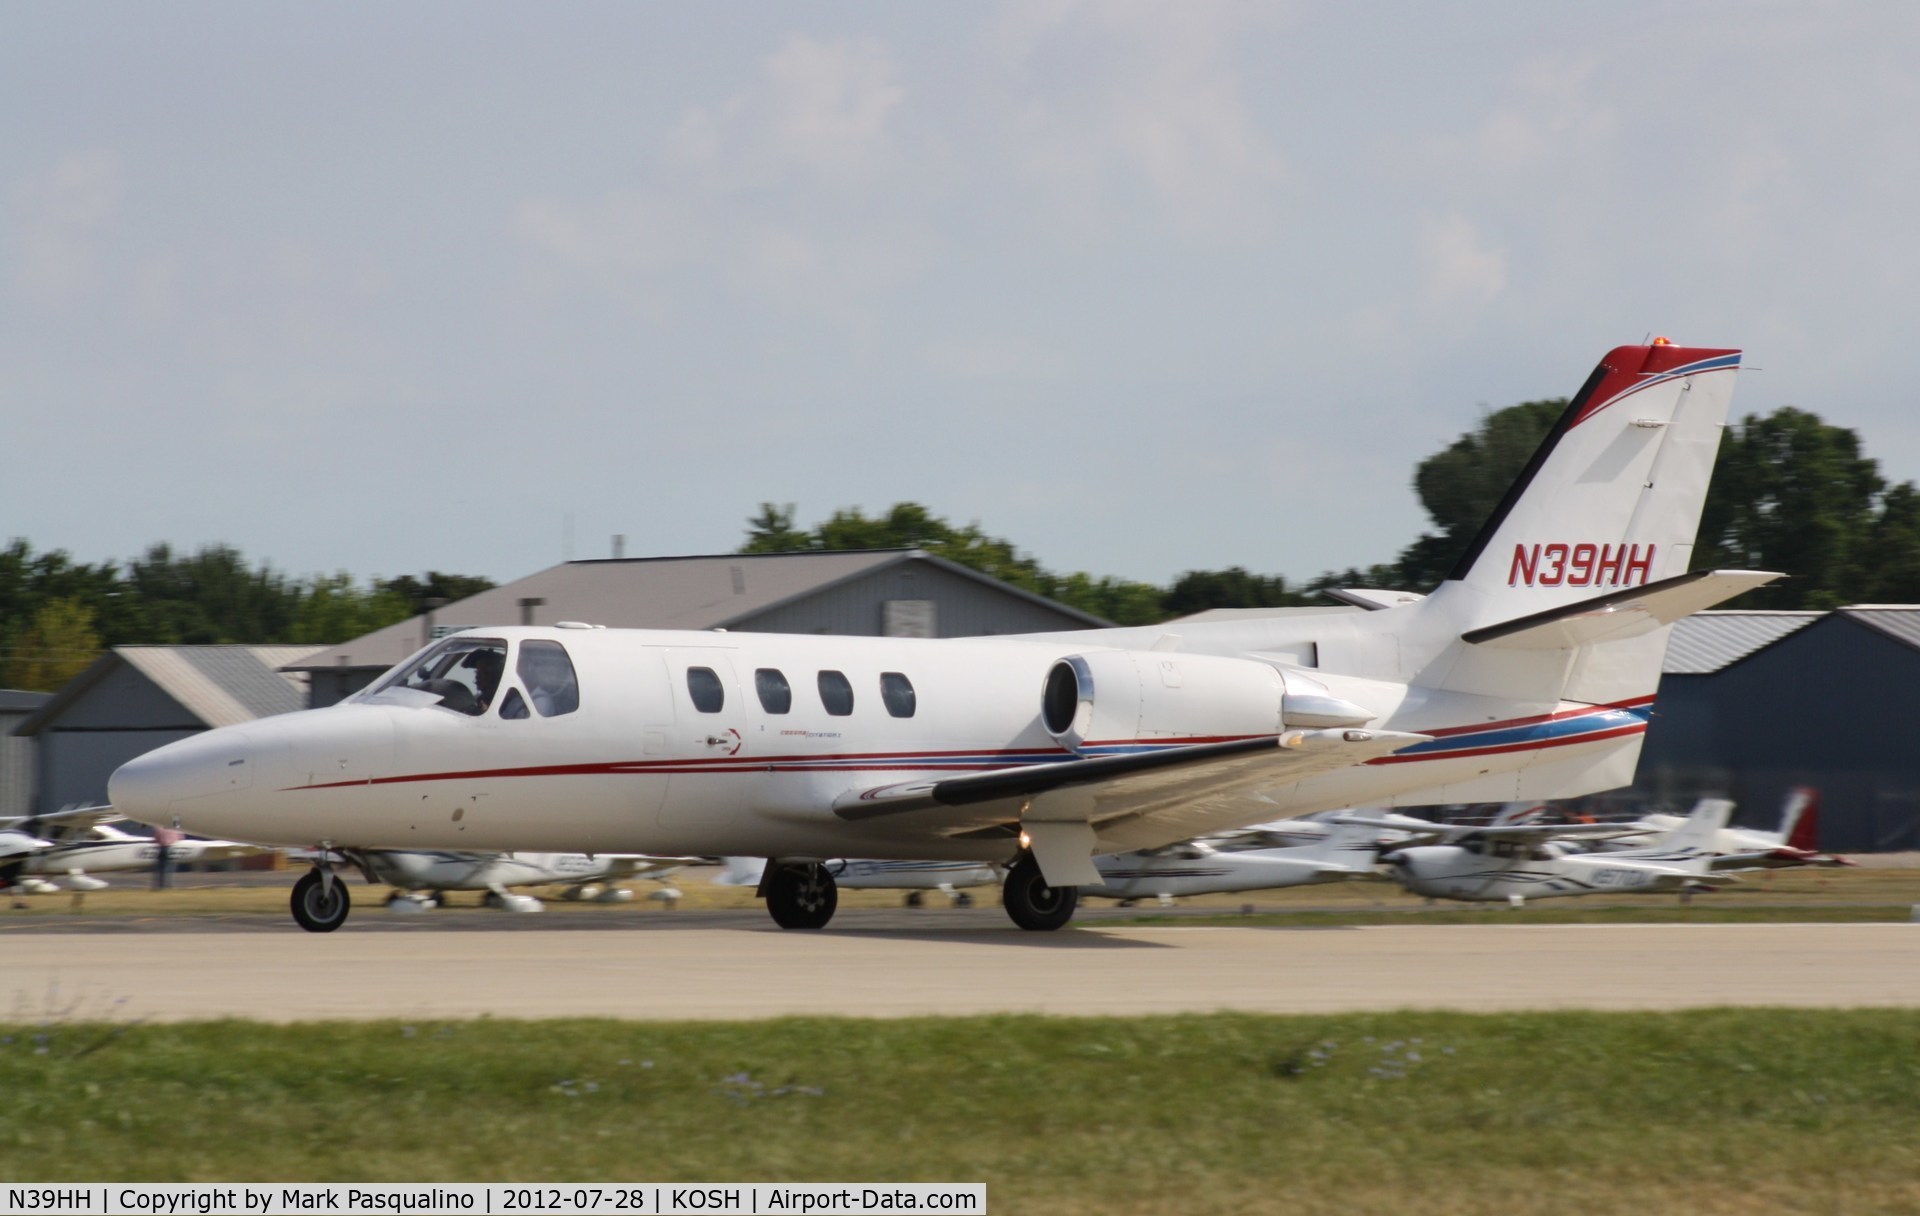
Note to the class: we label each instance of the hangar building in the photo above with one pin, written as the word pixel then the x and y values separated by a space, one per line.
pixel 1754 703
pixel 16 755
pixel 869 593
pixel 135 698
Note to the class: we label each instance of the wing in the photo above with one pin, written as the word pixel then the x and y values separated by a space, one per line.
pixel 1135 801
pixel 1455 834
pixel 66 824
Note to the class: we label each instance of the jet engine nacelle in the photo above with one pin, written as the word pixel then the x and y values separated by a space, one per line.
pixel 1117 696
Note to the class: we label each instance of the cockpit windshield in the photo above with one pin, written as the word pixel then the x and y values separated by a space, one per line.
pixel 461 674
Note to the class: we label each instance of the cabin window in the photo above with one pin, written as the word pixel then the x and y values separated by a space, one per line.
pixel 548 674
pixel 709 696
pixel 461 674
pixel 836 693
pixel 896 691
pixel 776 695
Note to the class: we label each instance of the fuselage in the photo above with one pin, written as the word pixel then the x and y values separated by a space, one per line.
pixel 720 744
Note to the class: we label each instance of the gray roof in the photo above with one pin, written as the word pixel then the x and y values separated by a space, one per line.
pixel 17 701
pixel 1707 642
pixel 220 685
pixel 1901 622
pixel 708 592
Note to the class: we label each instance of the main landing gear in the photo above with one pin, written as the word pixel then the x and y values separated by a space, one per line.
pixel 800 894
pixel 1031 902
pixel 320 900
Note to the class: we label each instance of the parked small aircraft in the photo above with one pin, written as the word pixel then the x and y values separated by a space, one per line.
pixel 1528 673
pixel 1194 867
pixel 1795 843
pixel 1516 863
pixel 914 877
pixel 82 839
pixel 420 875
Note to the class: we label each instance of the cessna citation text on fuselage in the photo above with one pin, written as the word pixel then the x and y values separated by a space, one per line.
pixel 1528 673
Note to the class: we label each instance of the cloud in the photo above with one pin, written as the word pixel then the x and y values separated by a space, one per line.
pixel 1547 119
pixel 60 214
pixel 641 230
pixel 820 107
pixel 1461 269
pixel 1144 95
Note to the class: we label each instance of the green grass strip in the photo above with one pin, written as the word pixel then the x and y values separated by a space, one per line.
pixel 1716 1111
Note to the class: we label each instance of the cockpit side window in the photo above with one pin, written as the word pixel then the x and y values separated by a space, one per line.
pixel 548 674
pixel 461 674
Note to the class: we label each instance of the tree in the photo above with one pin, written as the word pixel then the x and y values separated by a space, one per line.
pixel 57 646
pixel 447 587
pixel 333 610
pixel 1794 494
pixel 1462 484
pixel 909 525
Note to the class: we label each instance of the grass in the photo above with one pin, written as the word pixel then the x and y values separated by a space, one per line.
pixel 1718 1111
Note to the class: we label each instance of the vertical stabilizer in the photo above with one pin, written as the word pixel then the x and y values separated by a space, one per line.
pixel 1800 821
pixel 1610 502
pixel 1700 834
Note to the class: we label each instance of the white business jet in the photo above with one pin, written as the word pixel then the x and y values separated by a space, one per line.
pixel 1528 673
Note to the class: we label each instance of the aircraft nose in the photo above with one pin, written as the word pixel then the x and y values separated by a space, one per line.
pixel 156 787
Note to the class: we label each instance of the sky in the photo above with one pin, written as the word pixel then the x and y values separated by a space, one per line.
pixel 1143 288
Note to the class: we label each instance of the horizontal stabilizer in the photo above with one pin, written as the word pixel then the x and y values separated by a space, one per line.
pixel 1371 599
pixel 1619 615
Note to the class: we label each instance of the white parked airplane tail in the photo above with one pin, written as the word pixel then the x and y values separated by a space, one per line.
pixel 1695 842
pixel 1345 846
pixel 1566 593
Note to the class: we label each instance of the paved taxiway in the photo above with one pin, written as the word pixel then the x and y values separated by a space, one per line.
pixel 747 971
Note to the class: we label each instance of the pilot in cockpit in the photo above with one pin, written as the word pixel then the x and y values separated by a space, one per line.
pixel 487 665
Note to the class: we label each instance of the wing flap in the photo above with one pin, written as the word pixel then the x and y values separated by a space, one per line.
pixel 1133 801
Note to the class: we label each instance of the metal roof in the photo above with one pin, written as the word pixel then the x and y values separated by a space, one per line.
pixel 1901 622
pixel 710 592
pixel 1707 642
pixel 16 701
pixel 220 685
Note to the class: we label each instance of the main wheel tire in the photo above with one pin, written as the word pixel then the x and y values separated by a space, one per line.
pixel 802 896
pixel 320 906
pixel 1031 902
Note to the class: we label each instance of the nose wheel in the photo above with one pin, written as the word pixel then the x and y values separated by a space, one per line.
pixel 320 901
pixel 1031 902
pixel 802 896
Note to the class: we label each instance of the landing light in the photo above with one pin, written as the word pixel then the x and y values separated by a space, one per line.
pixel 1026 841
